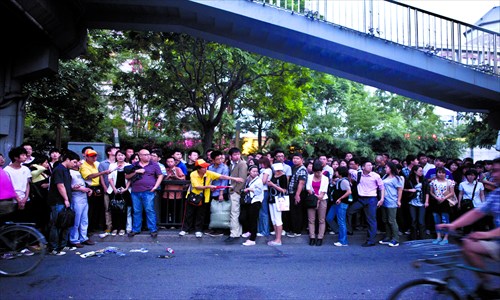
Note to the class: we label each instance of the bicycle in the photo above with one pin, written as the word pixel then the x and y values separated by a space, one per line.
pixel 450 286
pixel 22 248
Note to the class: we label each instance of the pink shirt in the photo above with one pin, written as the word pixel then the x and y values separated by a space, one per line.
pixel 369 184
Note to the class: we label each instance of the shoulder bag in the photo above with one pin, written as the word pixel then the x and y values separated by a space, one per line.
pixel 65 218
pixel 117 204
pixel 196 199
pixel 468 204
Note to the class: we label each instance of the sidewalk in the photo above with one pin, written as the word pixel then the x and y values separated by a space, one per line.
pixel 172 235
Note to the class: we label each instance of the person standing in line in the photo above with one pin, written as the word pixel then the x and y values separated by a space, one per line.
pixel 250 210
pixel 146 177
pixel 79 204
pixel 317 184
pixel 417 188
pixel 367 184
pixel 103 179
pixel 278 188
pixel 20 176
pixel 220 195
pixel 238 169
pixel 59 198
pixel 119 187
pixel 265 175
pixel 441 190
pixel 297 192
pixel 342 198
pixel 393 186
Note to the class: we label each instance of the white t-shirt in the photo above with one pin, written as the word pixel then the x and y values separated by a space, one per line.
pixel 269 173
pixel 19 178
pixel 467 188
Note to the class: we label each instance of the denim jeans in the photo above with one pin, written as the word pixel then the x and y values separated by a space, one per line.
pixel 417 214
pixel 263 227
pixel 140 201
pixel 441 218
pixel 339 210
pixel 58 237
pixel 78 233
pixel 369 206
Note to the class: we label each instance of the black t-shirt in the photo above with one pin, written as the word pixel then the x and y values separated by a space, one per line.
pixel 282 182
pixel 60 174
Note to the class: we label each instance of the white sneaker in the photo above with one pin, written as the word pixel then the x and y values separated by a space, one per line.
pixel 246 235
pixel 260 234
pixel 331 232
pixel 283 233
pixel 198 234
pixel 273 233
pixel 103 235
pixel 57 253
pixel 114 232
pixel 249 243
pixel 26 252
pixel 339 244
pixel 182 233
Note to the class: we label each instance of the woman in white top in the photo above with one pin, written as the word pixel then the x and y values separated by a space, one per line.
pixel 471 195
pixel 119 187
pixel 265 175
pixel 249 213
pixel 317 184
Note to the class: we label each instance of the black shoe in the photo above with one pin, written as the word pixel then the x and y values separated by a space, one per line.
pixel 312 242
pixel 88 242
pixel 132 234
pixel 154 234
pixel 230 239
pixel 350 233
pixel 368 244
pixel 319 242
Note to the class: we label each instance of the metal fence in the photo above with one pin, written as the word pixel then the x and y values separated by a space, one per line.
pixel 395 22
pixel 170 209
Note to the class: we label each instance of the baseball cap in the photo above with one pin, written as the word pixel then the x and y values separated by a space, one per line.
pixel 90 152
pixel 201 163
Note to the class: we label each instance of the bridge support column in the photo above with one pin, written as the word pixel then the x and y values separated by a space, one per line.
pixel 12 115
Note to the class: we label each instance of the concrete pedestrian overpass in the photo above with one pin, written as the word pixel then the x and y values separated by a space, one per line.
pixel 396 48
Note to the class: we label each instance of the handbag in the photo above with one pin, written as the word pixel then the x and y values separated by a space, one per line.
pixel 220 214
pixel 65 218
pixel 196 199
pixel 117 205
pixel 468 204
pixel 311 201
pixel 282 202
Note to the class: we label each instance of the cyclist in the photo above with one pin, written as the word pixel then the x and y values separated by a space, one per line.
pixel 478 245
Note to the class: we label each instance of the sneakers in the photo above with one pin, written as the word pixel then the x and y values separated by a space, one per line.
pixel 393 243
pixel 339 244
pixel 182 233
pixel 283 233
pixel 331 233
pixel 259 234
pixel 443 242
pixel 437 241
pixel 273 243
pixel 8 256
pixel 249 243
pixel 114 232
pixel 292 235
pixel 132 234
pixel 57 253
pixel 77 245
pixel 69 248
pixel 26 252
pixel 198 234
pixel 88 242
pixel 104 234
pixel 384 241
pixel 246 235
pixel 122 232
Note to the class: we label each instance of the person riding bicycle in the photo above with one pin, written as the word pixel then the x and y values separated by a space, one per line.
pixel 478 245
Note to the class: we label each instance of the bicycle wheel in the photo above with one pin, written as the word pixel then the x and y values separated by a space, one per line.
pixel 22 248
pixel 424 289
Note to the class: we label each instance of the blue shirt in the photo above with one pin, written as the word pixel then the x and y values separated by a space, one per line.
pixel 492 206
pixel 223 170
pixel 183 167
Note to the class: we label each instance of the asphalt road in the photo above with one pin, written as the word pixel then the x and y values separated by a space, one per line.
pixel 208 268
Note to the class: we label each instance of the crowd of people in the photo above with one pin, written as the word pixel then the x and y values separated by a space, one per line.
pixel 270 194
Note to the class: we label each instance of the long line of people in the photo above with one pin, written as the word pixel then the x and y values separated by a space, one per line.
pixel 268 194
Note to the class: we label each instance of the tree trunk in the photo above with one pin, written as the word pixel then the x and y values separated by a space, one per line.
pixel 208 136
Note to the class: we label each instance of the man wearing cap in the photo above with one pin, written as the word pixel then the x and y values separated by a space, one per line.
pixel 143 193
pixel 239 169
pixel 201 182
pixel 91 175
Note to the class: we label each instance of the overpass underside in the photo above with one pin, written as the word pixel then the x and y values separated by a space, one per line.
pixel 324 47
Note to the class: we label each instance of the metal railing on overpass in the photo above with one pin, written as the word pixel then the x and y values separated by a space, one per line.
pixel 399 23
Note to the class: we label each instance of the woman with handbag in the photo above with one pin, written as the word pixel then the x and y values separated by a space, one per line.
pixel 471 195
pixel 416 186
pixel 120 198
pixel 443 193
pixel 317 185
pixel 250 208
pixel 199 195
pixel 278 187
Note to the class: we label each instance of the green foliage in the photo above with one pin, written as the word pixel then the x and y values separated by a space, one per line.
pixel 477 131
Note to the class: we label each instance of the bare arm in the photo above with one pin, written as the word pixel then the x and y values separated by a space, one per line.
pixel 62 190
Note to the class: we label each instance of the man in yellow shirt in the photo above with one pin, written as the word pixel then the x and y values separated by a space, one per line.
pixel 91 176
